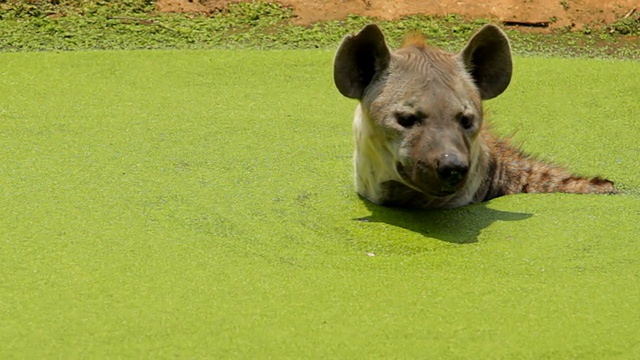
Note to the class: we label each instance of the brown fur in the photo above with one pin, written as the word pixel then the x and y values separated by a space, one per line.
pixel 415 39
pixel 421 140
pixel 512 171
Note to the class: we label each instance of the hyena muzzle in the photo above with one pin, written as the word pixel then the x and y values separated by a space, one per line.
pixel 419 132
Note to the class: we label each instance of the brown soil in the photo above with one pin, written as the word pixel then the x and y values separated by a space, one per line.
pixel 560 13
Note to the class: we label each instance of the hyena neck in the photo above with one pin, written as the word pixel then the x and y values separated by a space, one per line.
pixel 511 171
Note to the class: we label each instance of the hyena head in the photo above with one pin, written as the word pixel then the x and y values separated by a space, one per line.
pixel 420 115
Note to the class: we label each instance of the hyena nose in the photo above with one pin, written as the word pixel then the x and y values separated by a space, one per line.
pixel 451 170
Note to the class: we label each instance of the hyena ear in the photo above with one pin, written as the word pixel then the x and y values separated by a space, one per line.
pixel 487 58
pixel 358 59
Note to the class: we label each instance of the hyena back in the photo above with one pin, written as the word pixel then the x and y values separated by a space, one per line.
pixel 419 132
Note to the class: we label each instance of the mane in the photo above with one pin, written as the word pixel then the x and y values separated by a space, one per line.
pixel 415 39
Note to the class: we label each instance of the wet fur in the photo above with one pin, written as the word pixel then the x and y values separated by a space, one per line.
pixel 496 167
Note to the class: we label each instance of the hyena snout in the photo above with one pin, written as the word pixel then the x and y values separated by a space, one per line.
pixel 451 169
pixel 436 175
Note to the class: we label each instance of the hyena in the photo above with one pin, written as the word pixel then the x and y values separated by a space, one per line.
pixel 420 138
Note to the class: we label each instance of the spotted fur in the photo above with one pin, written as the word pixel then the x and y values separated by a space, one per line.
pixel 420 137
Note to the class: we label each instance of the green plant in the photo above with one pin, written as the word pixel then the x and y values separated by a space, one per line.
pixel 81 25
pixel 199 204
pixel 626 26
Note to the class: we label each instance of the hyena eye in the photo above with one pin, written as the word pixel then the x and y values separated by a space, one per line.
pixel 407 120
pixel 466 121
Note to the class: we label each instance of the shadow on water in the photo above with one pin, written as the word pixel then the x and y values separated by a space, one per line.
pixel 460 226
